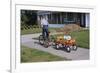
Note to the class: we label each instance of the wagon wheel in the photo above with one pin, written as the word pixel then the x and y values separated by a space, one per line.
pixel 74 47
pixel 68 49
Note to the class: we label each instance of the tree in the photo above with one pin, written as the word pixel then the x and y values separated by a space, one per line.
pixel 28 17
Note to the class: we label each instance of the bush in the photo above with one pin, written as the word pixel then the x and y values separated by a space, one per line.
pixel 69 28
pixel 25 27
pixel 35 26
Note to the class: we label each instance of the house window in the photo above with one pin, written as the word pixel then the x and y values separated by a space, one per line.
pixel 70 17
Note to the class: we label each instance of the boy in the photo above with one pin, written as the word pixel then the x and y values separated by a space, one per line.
pixel 44 25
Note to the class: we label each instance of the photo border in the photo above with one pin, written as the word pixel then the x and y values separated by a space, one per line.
pixel 14 60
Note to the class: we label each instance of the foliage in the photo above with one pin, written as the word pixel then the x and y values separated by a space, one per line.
pixel 28 18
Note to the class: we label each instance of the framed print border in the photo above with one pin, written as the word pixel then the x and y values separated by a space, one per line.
pixel 16 66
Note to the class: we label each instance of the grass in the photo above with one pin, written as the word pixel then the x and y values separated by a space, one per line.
pixel 36 30
pixel 82 38
pixel 33 55
pixel 31 31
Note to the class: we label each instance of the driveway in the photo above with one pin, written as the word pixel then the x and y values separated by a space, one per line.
pixel 80 54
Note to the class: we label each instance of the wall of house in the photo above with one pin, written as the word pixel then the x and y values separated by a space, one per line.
pixel 87 17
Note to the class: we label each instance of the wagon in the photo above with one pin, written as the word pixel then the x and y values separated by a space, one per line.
pixel 67 43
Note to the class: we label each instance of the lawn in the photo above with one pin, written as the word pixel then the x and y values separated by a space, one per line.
pixel 36 30
pixel 82 38
pixel 31 31
pixel 33 55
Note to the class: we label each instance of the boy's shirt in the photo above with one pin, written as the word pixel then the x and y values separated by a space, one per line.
pixel 44 22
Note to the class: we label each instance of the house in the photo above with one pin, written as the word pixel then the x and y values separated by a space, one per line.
pixel 63 18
